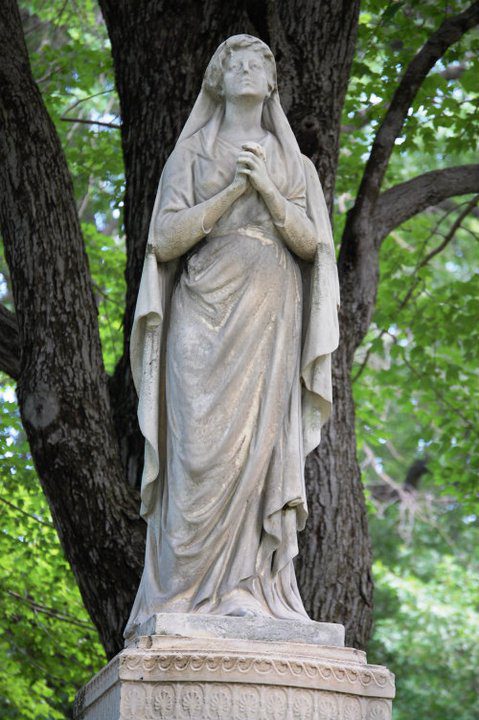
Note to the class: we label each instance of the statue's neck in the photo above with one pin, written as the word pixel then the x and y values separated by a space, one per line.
pixel 242 120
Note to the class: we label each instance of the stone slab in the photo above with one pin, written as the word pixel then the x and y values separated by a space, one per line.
pixel 242 628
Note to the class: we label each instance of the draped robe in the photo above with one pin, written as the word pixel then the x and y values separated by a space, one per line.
pixel 231 359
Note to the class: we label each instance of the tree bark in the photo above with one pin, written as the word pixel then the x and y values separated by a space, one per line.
pixel 62 388
pixel 334 565
pixel 9 344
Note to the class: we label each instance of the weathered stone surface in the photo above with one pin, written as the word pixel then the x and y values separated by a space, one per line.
pixel 235 322
pixel 190 625
pixel 172 678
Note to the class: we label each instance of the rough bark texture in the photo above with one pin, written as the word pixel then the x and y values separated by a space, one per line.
pixel 83 431
pixel 62 389
pixel 334 566
pixel 9 344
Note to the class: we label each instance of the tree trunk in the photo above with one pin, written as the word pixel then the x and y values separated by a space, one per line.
pixel 334 564
pixel 62 389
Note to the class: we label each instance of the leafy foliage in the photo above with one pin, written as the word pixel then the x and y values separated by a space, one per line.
pixel 427 611
pixel 419 389
pixel 48 644
pixel 416 375
pixel 416 387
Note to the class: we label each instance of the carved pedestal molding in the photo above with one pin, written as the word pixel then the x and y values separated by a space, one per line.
pixel 177 678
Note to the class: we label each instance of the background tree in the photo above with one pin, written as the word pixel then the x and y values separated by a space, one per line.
pixel 80 424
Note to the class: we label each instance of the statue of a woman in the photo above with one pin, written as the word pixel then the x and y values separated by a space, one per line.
pixel 235 324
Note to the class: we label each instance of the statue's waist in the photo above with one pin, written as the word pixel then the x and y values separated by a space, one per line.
pixel 258 232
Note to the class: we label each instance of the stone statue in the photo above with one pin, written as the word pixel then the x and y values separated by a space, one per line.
pixel 231 349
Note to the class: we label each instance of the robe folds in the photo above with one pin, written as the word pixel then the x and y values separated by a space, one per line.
pixel 231 357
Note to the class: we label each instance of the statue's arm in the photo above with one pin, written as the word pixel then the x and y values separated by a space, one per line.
pixel 296 228
pixel 178 224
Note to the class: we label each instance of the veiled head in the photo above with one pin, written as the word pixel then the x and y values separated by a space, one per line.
pixel 224 60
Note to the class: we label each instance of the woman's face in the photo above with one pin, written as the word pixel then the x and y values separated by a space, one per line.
pixel 245 76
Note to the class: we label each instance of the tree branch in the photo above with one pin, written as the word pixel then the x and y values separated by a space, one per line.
pixel 416 277
pixel 51 612
pixel 25 513
pixel 407 199
pixel 451 206
pixel 114 126
pixel 9 344
pixel 446 35
pixel 358 261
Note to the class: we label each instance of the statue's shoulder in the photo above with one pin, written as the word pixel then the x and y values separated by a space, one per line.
pixel 183 154
pixel 308 164
pixel 195 143
pixel 187 147
pixel 310 173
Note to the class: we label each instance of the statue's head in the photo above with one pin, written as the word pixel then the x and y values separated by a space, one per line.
pixel 248 50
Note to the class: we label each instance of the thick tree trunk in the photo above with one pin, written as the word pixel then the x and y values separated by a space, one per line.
pixel 334 565
pixel 62 388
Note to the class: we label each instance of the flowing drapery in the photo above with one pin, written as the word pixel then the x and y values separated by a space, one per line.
pixel 231 357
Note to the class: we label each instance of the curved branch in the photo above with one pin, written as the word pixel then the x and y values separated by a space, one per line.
pixel 407 199
pixel 467 210
pixel 113 126
pixel 358 262
pixel 446 35
pixel 9 344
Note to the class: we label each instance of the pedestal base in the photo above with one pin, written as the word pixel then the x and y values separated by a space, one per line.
pixel 161 677
pixel 257 627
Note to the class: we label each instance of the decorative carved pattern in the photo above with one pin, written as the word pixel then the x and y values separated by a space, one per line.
pixel 135 700
pixel 378 710
pixel 97 687
pixel 202 680
pixel 351 708
pixel 327 706
pixel 237 701
pixel 354 678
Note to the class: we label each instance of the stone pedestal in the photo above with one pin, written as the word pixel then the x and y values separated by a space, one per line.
pixel 181 677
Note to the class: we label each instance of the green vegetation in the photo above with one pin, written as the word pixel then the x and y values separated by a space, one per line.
pixel 416 385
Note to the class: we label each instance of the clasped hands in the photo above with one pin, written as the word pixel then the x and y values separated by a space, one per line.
pixel 251 169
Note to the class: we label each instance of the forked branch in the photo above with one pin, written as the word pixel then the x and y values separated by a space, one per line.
pixel 446 35
pixel 407 199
